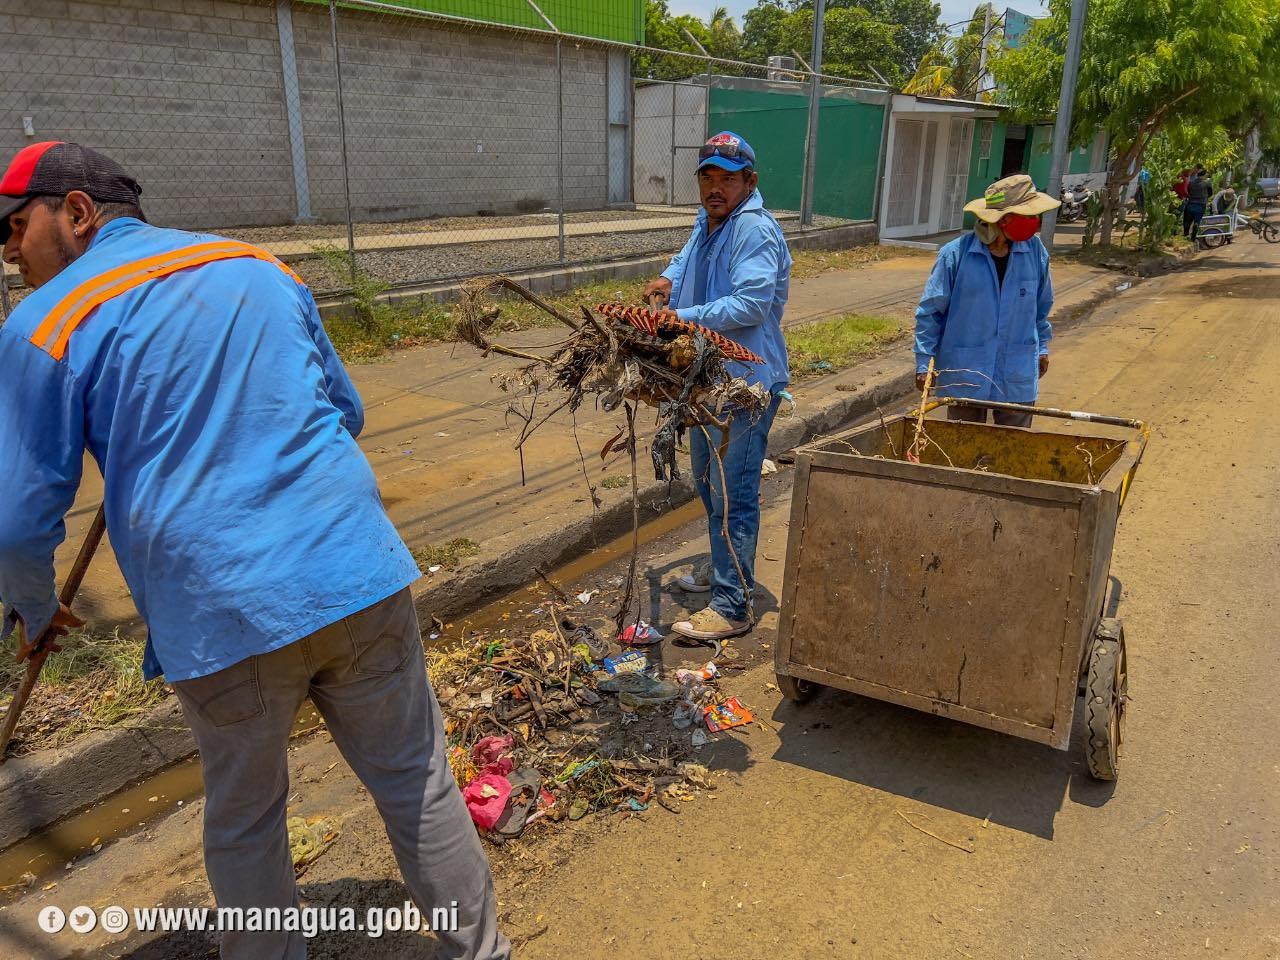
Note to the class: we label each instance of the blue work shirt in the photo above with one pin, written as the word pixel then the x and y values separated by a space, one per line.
pixel 242 512
pixel 986 339
pixel 747 282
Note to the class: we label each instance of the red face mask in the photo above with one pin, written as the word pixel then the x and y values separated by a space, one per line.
pixel 1017 226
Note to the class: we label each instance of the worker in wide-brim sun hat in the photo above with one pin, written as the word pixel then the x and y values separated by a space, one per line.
pixel 1014 196
pixel 984 317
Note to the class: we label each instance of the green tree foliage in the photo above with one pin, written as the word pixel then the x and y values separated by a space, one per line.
pixel 918 27
pixel 767 31
pixel 719 36
pixel 855 43
pixel 1146 64
pixel 861 36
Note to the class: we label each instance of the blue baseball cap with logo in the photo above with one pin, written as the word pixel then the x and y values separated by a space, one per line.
pixel 728 151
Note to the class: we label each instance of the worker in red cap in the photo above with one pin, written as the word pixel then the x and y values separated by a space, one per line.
pixel 245 519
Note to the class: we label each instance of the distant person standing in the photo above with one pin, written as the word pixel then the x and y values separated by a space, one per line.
pixel 1140 195
pixel 1199 190
pixel 1180 185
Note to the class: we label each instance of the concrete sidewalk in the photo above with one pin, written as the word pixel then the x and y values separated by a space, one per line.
pixel 441 439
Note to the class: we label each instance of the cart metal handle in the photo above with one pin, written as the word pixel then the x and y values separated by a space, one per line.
pixel 1138 425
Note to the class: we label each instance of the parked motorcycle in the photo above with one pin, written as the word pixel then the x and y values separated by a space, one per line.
pixel 1074 202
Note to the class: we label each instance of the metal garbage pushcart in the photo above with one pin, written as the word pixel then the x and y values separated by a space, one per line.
pixel 963 569
pixel 1215 229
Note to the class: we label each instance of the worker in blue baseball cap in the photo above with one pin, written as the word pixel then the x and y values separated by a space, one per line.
pixel 732 276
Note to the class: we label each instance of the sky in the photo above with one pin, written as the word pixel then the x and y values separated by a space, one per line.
pixel 952 10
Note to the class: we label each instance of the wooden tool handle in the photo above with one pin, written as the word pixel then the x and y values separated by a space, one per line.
pixel 71 586
pixel 36 653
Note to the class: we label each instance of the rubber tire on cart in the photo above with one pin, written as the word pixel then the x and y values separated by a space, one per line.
pixel 1106 697
pixel 1271 233
pixel 793 688
pixel 1212 238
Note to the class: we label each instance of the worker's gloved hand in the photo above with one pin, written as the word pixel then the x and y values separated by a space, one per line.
pixel 64 621
pixel 661 287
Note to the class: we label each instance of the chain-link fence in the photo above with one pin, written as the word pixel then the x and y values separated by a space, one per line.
pixel 426 141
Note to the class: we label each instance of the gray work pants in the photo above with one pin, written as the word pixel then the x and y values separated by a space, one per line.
pixel 1003 418
pixel 366 676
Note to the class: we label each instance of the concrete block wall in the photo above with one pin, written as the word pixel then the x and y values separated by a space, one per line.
pixel 189 96
pixel 186 94
pixel 445 120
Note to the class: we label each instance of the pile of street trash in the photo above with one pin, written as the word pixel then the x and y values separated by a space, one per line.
pixel 523 712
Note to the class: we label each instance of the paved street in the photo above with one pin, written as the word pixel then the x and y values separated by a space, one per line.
pixel 804 852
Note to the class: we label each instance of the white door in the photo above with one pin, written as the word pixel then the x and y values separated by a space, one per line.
pixel 910 194
pixel 956 180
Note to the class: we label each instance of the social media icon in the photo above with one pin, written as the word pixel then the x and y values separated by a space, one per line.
pixel 52 919
pixel 83 919
pixel 114 919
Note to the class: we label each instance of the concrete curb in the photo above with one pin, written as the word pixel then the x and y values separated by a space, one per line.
pixel 44 787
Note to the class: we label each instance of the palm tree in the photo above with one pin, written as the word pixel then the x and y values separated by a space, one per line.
pixel 725 40
pixel 933 77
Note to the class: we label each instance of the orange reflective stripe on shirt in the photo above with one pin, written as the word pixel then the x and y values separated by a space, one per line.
pixel 55 331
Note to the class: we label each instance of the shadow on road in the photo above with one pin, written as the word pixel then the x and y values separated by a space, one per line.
pixel 1259 286
pixel 979 773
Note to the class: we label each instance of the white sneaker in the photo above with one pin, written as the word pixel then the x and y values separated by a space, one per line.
pixel 697 580
pixel 707 624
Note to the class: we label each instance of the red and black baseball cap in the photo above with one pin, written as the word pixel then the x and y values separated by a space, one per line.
pixel 54 169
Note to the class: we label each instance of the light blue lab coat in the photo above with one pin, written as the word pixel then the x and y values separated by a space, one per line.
pixel 748 276
pixel 986 339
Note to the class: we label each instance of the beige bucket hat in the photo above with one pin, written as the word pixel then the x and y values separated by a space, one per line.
pixel 1015 194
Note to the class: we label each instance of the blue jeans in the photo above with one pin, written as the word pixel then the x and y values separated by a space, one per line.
pixel 1191 214
pixel 748 438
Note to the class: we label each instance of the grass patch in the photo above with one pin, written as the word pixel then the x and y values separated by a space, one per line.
pixel 830 345
pixel 615 482
pixel 95 681
pixel 448 555
pixel 375 326
pixel 520 314
pixel 812 263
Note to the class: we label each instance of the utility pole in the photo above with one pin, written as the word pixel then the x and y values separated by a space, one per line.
pixel 1062 129
pixel 982 52
pixel 815 102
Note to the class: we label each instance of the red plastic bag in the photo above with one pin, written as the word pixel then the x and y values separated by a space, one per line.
pixel 486 797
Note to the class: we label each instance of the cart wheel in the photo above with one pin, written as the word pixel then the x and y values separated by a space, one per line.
pixel 793 688
pixel 1106 696
pixel 1271 233
pixel 1212 238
